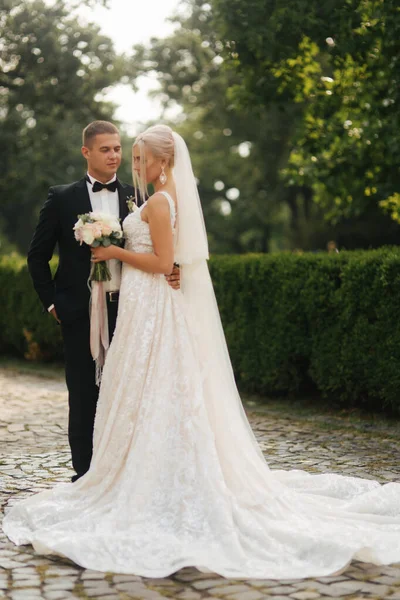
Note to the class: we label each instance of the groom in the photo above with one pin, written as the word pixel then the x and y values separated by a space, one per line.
pixel 66 296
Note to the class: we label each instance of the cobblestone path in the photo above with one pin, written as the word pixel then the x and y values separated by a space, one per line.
pixel 34 455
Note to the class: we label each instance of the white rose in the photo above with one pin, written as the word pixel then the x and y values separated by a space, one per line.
pixel 116 226
pixel 98 216
pixel 97 230
pixel 78 224
pixel 88 234
pixel 106 229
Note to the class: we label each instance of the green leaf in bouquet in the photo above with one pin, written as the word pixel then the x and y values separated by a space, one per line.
pixel 95 243
pixel 116 238
pixel 106 242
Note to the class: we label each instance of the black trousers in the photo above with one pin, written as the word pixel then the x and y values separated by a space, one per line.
pixel 82 389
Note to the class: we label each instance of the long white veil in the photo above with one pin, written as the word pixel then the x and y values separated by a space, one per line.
pixel 242 456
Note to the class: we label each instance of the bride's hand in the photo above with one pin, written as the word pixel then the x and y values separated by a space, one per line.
pixel 100 253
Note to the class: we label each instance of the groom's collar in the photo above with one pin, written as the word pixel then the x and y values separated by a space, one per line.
pixel 92 179
pixel 125 193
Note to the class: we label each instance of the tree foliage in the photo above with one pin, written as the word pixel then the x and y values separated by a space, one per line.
pixel 235 152
pixel 290 109
pixel 339 62
pixel 264 71
pixel 53 72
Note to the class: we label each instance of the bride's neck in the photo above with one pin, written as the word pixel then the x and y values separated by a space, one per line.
pixel 157 185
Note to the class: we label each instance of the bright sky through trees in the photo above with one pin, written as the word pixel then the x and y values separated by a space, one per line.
pixel 130 22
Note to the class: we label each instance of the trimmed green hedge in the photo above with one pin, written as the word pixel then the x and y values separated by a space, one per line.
pixel 327 320
pixel 291 321
pixel 25 330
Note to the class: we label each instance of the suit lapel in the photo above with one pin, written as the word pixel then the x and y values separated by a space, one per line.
pixel 124 192
pixel 82 197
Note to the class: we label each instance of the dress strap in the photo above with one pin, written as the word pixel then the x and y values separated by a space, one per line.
pixel 171 204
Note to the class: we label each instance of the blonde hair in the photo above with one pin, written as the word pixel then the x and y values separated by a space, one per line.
pixel 159 140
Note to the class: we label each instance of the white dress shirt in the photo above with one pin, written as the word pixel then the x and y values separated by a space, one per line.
pixel 106 202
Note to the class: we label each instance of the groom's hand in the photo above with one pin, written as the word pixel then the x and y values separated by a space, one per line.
pixel 174 279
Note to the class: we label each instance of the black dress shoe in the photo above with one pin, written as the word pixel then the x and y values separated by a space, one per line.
pixel 76 477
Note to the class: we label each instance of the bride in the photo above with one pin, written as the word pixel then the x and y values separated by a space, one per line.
pixel 177 478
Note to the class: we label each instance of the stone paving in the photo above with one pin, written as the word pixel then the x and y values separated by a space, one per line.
pixel 34 455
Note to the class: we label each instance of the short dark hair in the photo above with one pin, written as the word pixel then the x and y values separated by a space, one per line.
pixel 96 128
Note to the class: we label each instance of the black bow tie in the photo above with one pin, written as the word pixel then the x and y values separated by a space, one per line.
pixel 112 186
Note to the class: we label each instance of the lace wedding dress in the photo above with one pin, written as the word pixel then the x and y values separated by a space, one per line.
pixel 174 483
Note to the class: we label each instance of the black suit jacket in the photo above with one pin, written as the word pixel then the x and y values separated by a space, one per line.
pixel 68 291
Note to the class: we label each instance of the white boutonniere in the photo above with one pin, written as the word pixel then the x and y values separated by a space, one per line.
pixel 131 204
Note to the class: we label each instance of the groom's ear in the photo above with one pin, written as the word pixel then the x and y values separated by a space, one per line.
pixel 85 152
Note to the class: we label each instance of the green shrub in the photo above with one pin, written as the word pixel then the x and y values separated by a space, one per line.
pixel 265 328
pixel 328 320
pixel 291 321
pixel 24 328
pixel 356 353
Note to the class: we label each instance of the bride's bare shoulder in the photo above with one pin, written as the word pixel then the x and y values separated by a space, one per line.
pixel 161 201
pixel 157 206
pixel 157 199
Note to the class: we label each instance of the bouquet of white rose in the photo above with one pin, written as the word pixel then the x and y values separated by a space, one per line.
pixel 98 229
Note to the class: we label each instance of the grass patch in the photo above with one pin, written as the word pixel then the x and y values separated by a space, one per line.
pixel 323 414
pixel 25 367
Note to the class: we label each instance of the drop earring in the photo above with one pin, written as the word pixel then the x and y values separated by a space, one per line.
pixel 163 178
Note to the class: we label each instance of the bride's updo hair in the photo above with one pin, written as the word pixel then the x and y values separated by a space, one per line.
pixel 159 140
